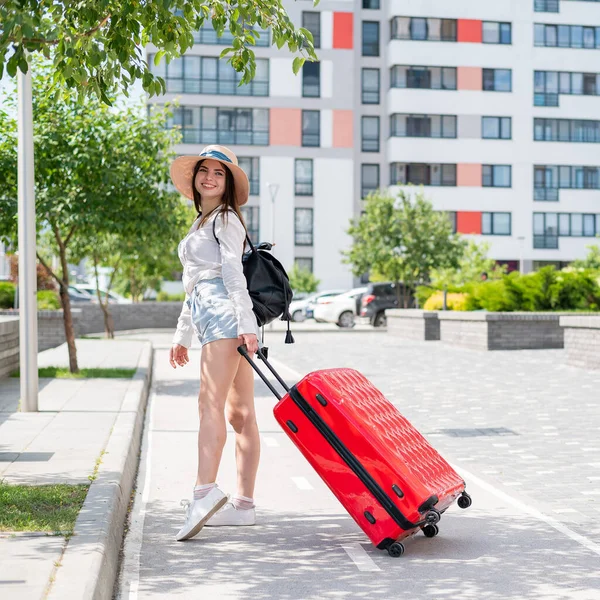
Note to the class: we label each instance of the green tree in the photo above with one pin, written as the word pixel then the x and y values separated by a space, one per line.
pixel 402 240
pixel 302 280
pixel 591 261
pixel 96 47
pixel 471 265
pixel 99 172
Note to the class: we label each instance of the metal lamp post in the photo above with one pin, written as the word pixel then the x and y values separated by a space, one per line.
pixel 28 330
pixel 273 189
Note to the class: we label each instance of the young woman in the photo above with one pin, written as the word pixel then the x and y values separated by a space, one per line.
pixel 219 309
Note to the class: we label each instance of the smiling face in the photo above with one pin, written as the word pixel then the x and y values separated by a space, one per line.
pixel 210 180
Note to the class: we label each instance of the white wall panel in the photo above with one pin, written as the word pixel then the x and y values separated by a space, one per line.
pixel 282 81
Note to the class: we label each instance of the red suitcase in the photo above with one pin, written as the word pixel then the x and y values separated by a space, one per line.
pixel 382 470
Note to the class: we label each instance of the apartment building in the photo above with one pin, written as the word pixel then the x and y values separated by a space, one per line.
pixel 497 115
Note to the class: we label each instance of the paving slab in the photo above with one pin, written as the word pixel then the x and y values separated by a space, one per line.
pixel 515 542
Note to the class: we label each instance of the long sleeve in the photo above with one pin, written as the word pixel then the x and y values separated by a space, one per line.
pixel 185 330
pixel 232 236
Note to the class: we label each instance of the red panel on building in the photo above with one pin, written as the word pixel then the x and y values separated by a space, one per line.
pixel 469 30
pixel 468 222
pixel 343 27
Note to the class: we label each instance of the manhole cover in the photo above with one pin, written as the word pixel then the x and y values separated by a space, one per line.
pixel 483 431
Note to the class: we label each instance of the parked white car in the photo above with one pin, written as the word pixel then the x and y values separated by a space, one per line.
pixel 303 309
pixel 113 297
pixel 341 309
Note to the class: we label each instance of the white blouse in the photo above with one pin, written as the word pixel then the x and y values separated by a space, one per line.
pixel 203 258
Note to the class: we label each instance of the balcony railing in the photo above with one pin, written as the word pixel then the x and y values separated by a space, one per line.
pixel 545 194
pixel 549 242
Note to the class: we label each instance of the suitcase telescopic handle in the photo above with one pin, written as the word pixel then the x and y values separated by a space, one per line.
pixel 244 352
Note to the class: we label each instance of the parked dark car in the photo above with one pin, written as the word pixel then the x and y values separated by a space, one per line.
pixel 375 300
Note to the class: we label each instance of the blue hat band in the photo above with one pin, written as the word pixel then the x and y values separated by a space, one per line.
pixel 218 155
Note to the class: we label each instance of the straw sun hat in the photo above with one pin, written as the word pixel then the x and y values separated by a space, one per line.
pixel 182 170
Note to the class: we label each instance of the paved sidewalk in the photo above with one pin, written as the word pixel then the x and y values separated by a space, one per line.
pixel 528 535
pixel 59 444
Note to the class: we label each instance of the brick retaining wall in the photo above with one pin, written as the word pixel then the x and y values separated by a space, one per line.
pixel 501 331
pixel 582 341
pixel 9 344
pixel 413 324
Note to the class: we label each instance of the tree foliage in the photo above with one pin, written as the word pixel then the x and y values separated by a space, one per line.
pixel 98 47
pixel 302 280
pixel 591 261
pixel 402 239
pixel 100 174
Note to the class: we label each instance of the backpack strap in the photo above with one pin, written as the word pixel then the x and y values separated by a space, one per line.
pixel 217 239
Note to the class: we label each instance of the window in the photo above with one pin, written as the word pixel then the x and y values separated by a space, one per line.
pixel 304 264
pixel 549 84
pixel 549 179
pixel 207 35
pixel 311 79
pixel 211 125
pixel 566 130
pixel 423 174
pixel 546 6
pixel 436 126
pixel 369 179
pixel 303 180
pixel 496 176
pixel 566 36
pixel 496 33
pixel 311 128
pixel 370 134
pixel 496 128
pixel 452 218
pixel 251 167
pixel 417 28
pixel 370 86
pixel 430 78
pixel 303 227
pixel 548 227
pixel 251 216
pixel 372 4
pixel 370 38
pixel 497 80
pixel 495 223
pixel 312 22
pixel 208 75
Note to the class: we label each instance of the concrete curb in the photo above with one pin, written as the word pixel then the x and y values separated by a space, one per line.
pixel 90 561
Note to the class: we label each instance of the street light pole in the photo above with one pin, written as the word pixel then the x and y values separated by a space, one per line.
pixel 28 330
pixel 273 189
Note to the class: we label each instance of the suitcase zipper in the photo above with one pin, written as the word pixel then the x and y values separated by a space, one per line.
pixel 351 460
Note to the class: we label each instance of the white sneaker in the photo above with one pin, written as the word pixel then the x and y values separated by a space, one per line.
pixel 229 515
pixel 199 511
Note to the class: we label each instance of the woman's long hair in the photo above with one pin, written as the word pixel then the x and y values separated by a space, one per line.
pixel 228 202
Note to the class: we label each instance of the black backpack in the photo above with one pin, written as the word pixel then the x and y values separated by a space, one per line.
pixel 268 284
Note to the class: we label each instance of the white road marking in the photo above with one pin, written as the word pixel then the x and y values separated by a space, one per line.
pixel 302 483
pixel 133 542
pixel 532 511
pixel 271 442
pixel 360 557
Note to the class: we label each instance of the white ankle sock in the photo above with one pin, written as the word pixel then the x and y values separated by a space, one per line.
pixel 202 490
pixel 242 502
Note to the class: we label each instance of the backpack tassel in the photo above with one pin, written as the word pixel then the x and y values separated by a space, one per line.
pixel 289 338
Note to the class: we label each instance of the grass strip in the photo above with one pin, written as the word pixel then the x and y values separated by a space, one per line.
pixel 64 373
pixel 52 508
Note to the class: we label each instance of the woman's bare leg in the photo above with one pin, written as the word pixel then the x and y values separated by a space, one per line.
pixel 218 367
pixel 241 415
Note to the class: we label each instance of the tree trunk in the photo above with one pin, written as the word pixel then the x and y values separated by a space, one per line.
pixel 109 328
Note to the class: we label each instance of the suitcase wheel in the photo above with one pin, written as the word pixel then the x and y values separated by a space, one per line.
pixel 464 501
pixel 433 516
pixel 431 530
pixel 396 549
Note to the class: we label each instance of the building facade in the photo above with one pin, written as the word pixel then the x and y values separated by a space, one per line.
pixel 496 115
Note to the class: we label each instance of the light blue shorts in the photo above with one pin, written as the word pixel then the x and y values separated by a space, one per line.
pixel 213 314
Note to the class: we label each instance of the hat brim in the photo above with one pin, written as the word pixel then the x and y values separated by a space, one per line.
pixel 182 171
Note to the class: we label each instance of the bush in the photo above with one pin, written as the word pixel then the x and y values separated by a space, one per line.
pixel 424 292
pixel 575 290
pixel 165 297
pixel 48 300
pixel 454 301
pixel 7 294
